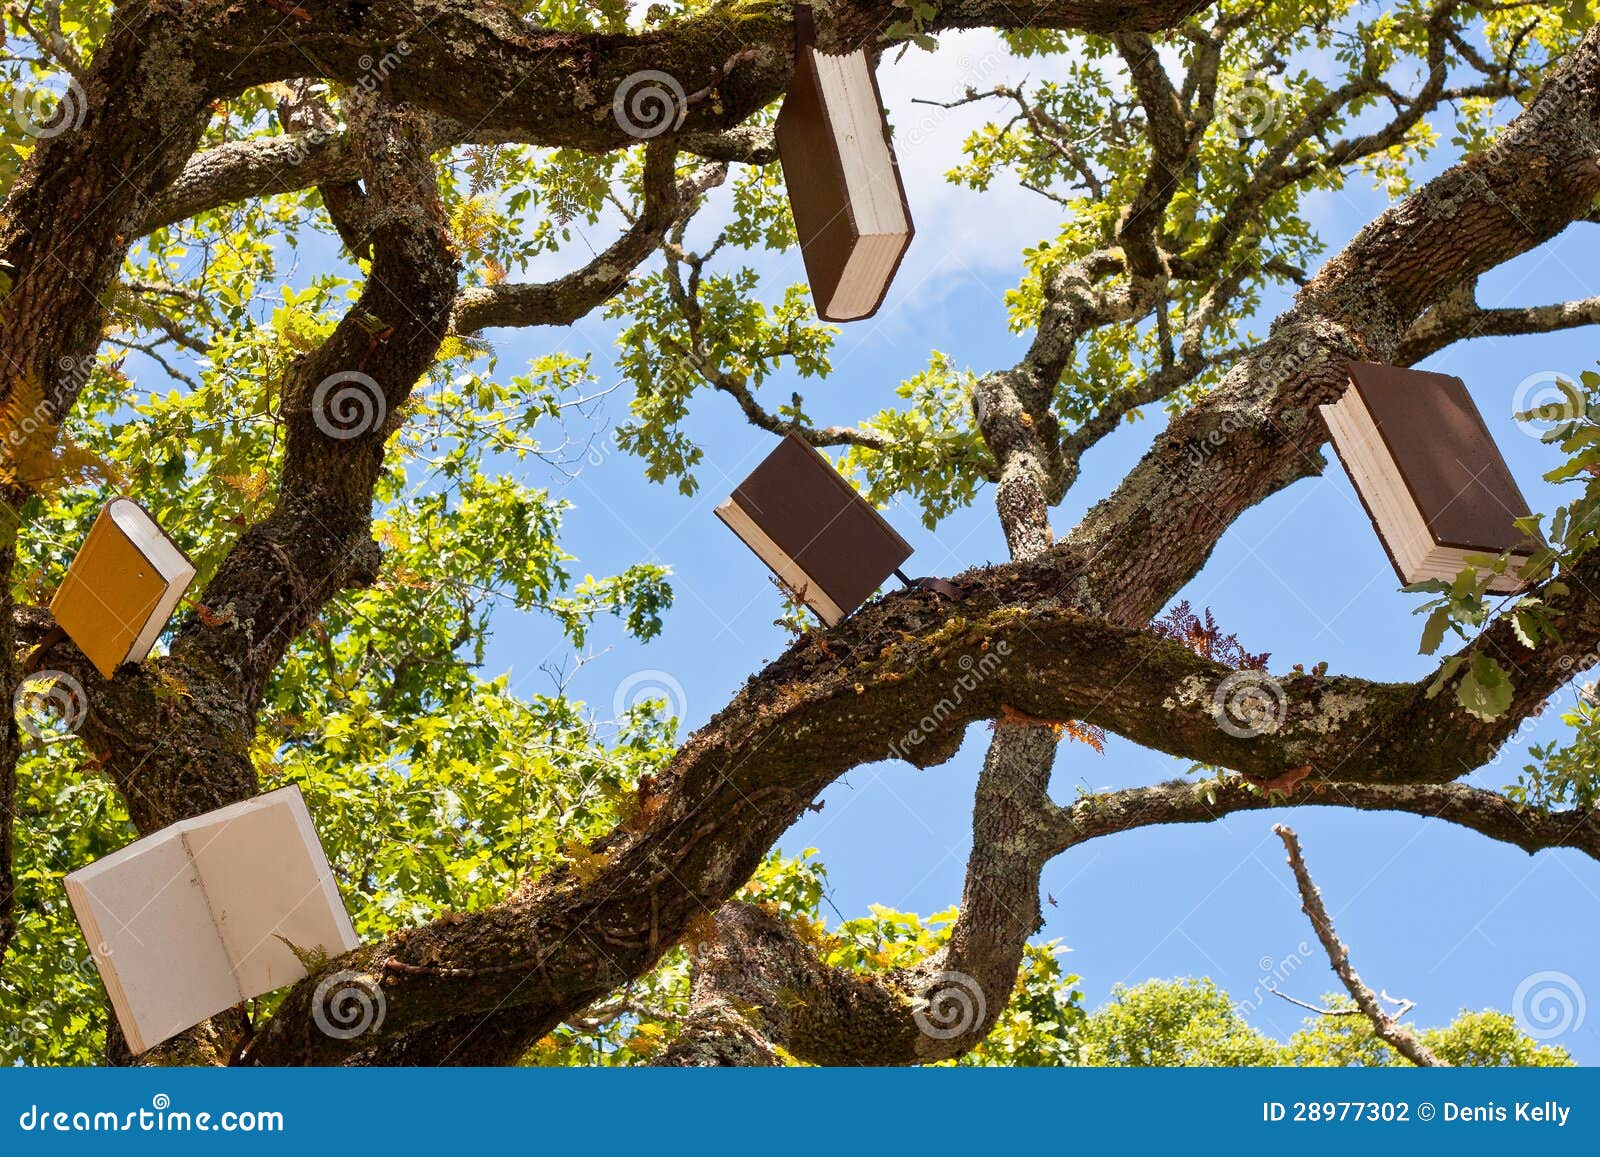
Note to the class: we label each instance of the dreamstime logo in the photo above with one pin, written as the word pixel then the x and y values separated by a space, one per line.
pixel 49 693
pixel 602 448
pixel 348 404
pixel 1273 973
pixel 75 374
pixel 649 103
pixel 973 673
pixel 348 1004
pixel 1200 451
pixel 32 1025
pixel 301 144
pixel 375 71
pixel 1250 108
pixel 952 1006
pixel 1525 730
pixel 43 114
pixel 1309 352
pixel 1249 703
pixel 1548 1004
pixel 646 686
pixel 1545 401
pixel 1578 663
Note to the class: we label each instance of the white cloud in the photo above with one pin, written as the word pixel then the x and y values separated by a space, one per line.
pixel 957 228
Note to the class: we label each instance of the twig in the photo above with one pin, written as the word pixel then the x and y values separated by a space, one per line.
pixel 1316 1008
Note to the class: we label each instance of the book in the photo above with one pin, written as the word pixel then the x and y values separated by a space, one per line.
pixel 198 917
pixel 122 587
pixel 823 540
pixel 849 206
pixel 1428 473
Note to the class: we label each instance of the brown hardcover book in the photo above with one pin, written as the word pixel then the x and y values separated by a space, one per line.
pixel 194 919
pixel 850 209
pixel 122 587
pixel 817 534
pixel 1428 472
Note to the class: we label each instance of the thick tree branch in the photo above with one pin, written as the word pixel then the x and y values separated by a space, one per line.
pixel 718 1035
pixel 241 170
pixel 291 162
pixel 742 779
pixel 485 65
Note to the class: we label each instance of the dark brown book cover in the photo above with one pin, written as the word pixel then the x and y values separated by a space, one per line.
pixel 1446 456
pixel 813 173
pixel 844 547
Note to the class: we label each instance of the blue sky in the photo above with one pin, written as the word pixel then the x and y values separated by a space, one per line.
pixel 1432 913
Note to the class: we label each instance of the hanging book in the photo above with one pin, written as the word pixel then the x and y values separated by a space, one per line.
pixel 818 535
pixel 1430 476
pixel 122 587
pixel 194 919
pixel 850 209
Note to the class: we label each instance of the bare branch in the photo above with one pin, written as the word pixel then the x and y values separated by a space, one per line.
pixel 1488 813
pixel 1389 1030
pixel 1460 318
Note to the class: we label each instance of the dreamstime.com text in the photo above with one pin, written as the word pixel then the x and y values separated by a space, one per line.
pixel 158 1117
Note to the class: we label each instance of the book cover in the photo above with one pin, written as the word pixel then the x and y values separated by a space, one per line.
pixel 122 587
pixel 849 203
pixel 1428 472
pixel 810 526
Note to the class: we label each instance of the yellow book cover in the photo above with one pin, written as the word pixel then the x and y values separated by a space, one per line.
pixel 122 587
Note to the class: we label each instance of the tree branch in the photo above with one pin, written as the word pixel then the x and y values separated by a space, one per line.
pixel 667 201
pixel 1461 318
pixel 736 58
pixel 1389 1030
pixel 1181 802
pixel 741 780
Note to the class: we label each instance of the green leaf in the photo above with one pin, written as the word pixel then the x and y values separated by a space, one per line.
pixel 1485 689
pixel 1433 630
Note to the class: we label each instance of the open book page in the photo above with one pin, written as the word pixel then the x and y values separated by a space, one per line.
pixel 149 927
pixel 265 876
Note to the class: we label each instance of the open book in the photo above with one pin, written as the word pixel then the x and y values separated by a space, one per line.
pixel 1428 472
pixel 193 919
pixel 816 533
pixel 849 206
pixel 122 587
